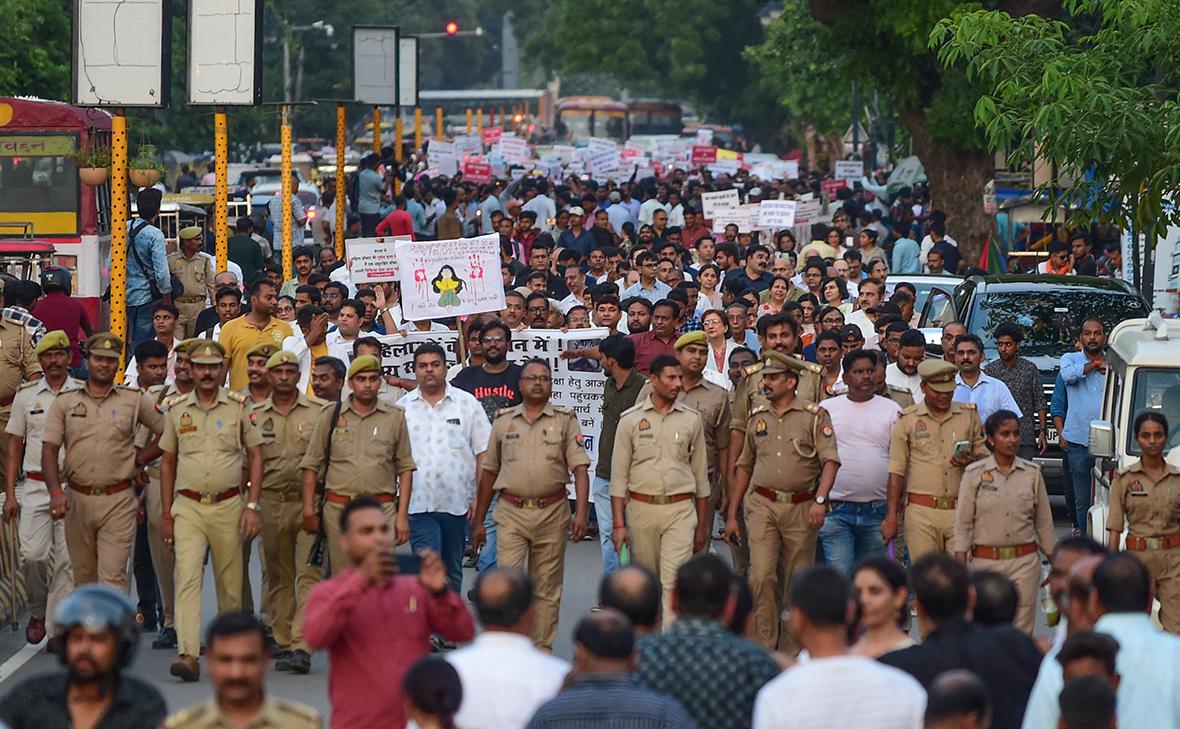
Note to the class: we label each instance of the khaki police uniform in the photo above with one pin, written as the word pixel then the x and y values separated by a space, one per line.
pixel 98 438
pixel 749 392
pixel 163 559
pixel 196 275
pixel 660 465
pixel 368 453
pixel 275 714
pixel 920 451
pixel 785 455
pixel 1151 510
pixel 45 559
pixel 18 363
pixel 1001 522
pixel 286 577
pixel 210 444
pixel 903 397
pixel 264 350
pixel 712 404
pixel 533 461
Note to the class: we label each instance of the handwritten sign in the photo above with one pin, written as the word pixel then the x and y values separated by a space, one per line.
pixel 849 169
pixel 372 259
pixel 449 278
pixel 806 212
pixel 714 202
pixel 776 214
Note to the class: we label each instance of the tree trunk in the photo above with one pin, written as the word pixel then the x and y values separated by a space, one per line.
pixel 956 177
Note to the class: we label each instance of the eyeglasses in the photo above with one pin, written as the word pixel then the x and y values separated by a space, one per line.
pixel 539 379
pixel 493 340
pixel 537 309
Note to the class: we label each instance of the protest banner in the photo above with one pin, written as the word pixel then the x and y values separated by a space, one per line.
pixel 478 172
pixel 599 144
pixel 776 214
pixel 704 136
pixel 806 212
pixel 563 152
pixel 725 167
pixel 515 149
pixel 372 259
pixel 745 217
pixel 714 202
pixel 449 278
pixel 832 187
pixel 491 135
pixel 577 383
pixel 603 161
pixel 468 144
pixel 703 154
pixel 849 169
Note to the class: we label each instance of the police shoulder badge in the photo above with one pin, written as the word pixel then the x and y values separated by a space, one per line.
pixel 827 430
pixel 644 425
pixel 760 427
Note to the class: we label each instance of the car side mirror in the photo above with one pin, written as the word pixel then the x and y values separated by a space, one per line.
pixel 1101 439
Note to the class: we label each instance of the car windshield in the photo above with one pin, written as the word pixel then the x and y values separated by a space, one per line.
pixel 1051 317
pixel 1158 391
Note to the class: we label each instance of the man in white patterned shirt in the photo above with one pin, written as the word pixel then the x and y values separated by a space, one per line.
pixel 448 433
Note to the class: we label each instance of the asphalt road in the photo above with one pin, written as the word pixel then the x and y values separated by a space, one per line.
pixel 583 572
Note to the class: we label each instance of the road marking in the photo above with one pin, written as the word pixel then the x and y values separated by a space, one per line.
pixel 19 659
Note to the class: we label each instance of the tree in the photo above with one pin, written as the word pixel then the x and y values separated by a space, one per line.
pixel 35 54
pixel 1093 93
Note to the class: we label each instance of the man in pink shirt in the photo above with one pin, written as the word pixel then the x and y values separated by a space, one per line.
pixel 375 624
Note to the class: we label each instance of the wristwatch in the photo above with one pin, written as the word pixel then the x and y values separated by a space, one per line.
pixel 254 506
pixel 821 500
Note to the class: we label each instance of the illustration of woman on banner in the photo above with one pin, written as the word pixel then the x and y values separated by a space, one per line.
pixel 448 286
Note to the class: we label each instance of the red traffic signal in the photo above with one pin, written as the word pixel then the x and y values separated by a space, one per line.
pixel 452 27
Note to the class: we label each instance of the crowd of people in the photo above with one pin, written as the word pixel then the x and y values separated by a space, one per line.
pixel 763 401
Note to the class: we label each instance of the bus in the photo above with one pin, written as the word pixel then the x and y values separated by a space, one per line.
pixel 581 117
pixel 652 116
pixel 41 197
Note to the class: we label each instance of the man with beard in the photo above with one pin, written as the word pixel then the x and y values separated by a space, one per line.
pixel 97 625
pixel 638 314
pixel 333 298
pixel 496 384
pixel 537 307
pixel 240 335
pixel 903 374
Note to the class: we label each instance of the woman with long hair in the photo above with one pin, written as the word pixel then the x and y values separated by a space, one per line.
pixel 879 584
pixel 835 293
pixel 776 296
pixel 433 693
pixel 716 327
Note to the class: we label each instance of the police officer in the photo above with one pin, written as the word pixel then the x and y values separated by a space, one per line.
pixel 18 353
pixel 237 657
pixel 789 462
pixel 370 456
pixel 95 423
pixel 286 420
pixel 709 400
pixel 45 561
pixel 660 479
pixel 1003 518
pixel 931 443
pixel 208 439
pixel 531 452
pixel 194 269
pixel 1146 495
pixel 163 559
pixel 257 375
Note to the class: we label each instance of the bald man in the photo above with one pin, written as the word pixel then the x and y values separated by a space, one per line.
pixel 635 592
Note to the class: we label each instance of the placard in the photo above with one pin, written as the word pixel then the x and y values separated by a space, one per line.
pixel 372 260
pixel 806 211
pixel 491 135
pixel 745 217
pixel 374 64
pixel 703 155
pixel 832 187
pixel 407 70
pixel 515 149
pixel 449 278
pixel 776 214
pixel 714 202
pixel 475 171
pixel 225 52
pixel 849 169
pixel 121 53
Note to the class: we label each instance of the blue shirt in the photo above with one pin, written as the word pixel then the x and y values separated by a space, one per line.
pixel 606 700
pixel 150 246
pixel 369 189
pixel 583 243
pixel 1085 396
pixel 1059 402
pixel 905 256
pixel 988 396
pixel 659 290
pixel 418 213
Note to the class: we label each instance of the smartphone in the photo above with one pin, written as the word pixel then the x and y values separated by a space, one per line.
pixel 408 564
pixel 962 448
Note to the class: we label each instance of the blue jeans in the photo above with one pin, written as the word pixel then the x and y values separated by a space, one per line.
pixel 487 555
pixel 445 534
pixel 851 533
pixel 1079 462
pixel 139 325
pixel 600 494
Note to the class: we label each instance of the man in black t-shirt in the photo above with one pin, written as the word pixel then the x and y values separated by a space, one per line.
pixel 496 384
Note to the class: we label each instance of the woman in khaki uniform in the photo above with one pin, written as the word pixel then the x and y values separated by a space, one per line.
pixel 1147 496
pixel 1002 519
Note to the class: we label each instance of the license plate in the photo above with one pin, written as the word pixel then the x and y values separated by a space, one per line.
pixel 1051 433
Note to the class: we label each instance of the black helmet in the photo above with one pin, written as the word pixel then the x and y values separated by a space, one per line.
pixel 55 276
pixel 98 607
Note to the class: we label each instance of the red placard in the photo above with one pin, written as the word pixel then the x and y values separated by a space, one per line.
pixel 491 135
pixel 477 171
pixel 703 154
pixel 831 187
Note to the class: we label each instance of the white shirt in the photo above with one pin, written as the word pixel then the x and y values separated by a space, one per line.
pixel 570 302
pixel 648 208
pixel 862 438
pixel 30 407
pixel 840 693
pixel 505 679
pixel 618 215
pixel 865 324
pixel 445 438
pixel 928 243
pixel 339 347
pixel 297 345
pixel 988 396
pixel 131 376
pixel 913 383
pixel 1148 662
pixel 545 209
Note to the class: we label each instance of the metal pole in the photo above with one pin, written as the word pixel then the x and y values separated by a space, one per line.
pixel 221 199
pixel 438 122
pixel 119 232
pixel 479 120
pixel 397 151
pixel 285 141
pixel 341 201
pixel 417 130
pixel 469 121
pixel 377 129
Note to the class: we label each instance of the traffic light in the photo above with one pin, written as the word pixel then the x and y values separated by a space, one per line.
pixel 452 27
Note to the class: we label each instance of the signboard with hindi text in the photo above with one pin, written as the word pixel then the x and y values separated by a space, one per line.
pixel 372 259
pixel 449 278
pixel 849 169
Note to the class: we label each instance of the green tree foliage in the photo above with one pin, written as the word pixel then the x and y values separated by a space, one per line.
pixel 35 53
pixel 1094 93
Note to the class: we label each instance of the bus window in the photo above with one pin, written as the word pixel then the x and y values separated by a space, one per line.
pixel 38 183
pixel 610 125
pixel 577 123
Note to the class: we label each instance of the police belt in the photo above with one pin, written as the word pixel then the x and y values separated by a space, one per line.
pixel 533 502
pixel 283 495
pixel 35 476
pixel 1152 544
pixel 100 490
pixel 933 502
pixel 211 498
pixel 1019 550
pixel 783 497
pixel 660 499
pixel 332 497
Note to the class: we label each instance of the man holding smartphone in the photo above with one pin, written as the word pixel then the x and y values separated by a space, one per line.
pixel 931 444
